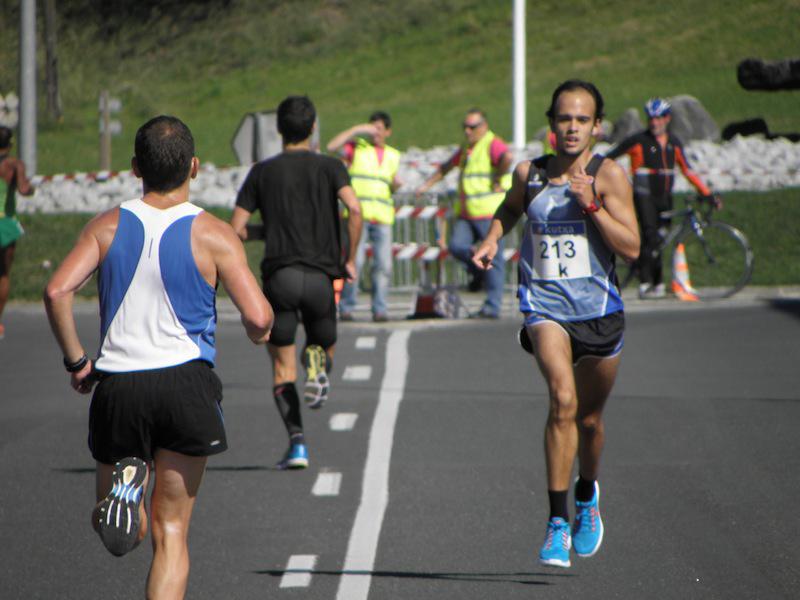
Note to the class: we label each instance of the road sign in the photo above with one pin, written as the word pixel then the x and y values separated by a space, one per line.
pixel 257 137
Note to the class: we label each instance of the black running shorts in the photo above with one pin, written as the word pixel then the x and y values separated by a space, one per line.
pixel 599 338
pixel 176 408
pixel 299 292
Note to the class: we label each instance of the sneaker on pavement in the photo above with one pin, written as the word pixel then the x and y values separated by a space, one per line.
pixel 484 313
pixel 316 388
pixel 654 292
pixel 119 512
pixel 296 457
pixel 587 530
pixel 557 542
pixel 346 317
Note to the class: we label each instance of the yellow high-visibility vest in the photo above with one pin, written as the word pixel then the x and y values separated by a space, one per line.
pixel 475 183
pixel 372 181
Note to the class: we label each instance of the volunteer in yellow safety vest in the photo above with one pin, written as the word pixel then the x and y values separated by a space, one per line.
pixel 484 163
pixel 373 166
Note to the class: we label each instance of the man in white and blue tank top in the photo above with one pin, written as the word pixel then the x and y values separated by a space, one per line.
pixel 580 215
pixel 157 404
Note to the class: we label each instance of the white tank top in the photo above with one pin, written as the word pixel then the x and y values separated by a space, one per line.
pixel 156 309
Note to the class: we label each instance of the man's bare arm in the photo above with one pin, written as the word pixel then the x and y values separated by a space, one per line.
pixel 246 231
pixel 240 283
pixel 354 221
pixel 345 136
pixel 70 276
pixel 24 186
pixel 616 220
pixel 501 169
pixel 437 176
pixel 505 218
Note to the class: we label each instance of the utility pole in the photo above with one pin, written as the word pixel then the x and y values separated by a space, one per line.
pixel 27 84
pixel 519 75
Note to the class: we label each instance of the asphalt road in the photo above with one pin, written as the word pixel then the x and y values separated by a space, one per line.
pixel 439 487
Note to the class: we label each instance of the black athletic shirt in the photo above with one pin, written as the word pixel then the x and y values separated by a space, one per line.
pixel 296 193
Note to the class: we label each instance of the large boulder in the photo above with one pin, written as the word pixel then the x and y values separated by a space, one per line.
pixel 628 124
pixel 691 121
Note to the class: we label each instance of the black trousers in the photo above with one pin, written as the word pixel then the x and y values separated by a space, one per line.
pixel 647 212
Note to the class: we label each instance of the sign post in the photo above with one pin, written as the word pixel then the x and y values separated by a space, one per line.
pixel 108 127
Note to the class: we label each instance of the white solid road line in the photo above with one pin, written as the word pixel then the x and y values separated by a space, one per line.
pixel 343 421
pixel 360 559
pixel 327 484
pixel 298 570
pixel 357 373
pixel 366 342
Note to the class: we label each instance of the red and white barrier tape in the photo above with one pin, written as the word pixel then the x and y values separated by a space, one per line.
pixel 423 213
pixel 430 252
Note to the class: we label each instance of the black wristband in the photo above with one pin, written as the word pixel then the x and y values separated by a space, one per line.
pixel 77 365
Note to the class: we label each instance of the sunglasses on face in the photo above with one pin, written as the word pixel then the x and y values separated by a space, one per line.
pixel 472 126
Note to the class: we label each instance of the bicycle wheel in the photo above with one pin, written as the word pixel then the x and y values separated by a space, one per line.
pixel 719 260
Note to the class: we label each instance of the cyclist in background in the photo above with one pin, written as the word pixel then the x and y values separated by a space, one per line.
pixel 654 154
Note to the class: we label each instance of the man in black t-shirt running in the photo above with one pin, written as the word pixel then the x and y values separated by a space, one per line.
pixel 297 194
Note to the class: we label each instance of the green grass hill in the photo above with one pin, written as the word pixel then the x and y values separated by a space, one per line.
pixel 424 61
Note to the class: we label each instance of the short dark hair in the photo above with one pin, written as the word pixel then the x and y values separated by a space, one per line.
pixel 296 116
pixel 478 111
pixel 164 150
pixel 5 137
pixel 577 84
pixel 379 115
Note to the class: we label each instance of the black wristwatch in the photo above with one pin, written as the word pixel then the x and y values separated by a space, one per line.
pixel 74 367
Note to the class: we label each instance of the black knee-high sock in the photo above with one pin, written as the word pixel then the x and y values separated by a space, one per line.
pixel 289 407
pixel 558 504
pixel 584 489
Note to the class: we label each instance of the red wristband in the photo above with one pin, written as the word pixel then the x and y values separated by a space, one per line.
pixel 596 205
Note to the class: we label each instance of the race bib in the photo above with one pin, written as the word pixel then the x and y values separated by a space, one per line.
pixel 560 250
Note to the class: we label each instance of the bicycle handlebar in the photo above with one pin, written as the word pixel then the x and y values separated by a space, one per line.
pixel 714 203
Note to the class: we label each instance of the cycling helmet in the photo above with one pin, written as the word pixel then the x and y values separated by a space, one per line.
pixel 657 107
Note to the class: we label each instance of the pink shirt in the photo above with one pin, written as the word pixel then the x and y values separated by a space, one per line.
pixel 496 151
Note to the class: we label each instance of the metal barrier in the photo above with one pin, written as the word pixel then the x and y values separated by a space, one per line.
pixel 415 249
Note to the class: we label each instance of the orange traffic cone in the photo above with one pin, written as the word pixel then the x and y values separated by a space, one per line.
pixel 681 285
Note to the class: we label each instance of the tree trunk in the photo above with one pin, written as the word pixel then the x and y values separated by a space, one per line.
pixel 51 67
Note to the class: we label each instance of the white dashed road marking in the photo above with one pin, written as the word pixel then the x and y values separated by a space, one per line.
pixel 357 373
pixel 327 484
pixel 366 342
pixel 360 559
pixel 298 570
pixel 343 421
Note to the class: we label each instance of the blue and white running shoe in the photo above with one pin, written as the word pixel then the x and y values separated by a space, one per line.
pixel 587 531
pixel 119 512
pixel 557 543
pixel 296 457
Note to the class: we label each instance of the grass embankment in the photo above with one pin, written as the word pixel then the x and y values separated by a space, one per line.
pixel 771 221
pixel 425 61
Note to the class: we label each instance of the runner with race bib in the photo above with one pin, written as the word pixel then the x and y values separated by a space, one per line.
pixel 580 214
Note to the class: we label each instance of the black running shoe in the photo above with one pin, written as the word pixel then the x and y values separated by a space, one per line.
pixel 119 512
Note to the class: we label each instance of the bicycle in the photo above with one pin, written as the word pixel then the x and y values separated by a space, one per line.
pixel 718 255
